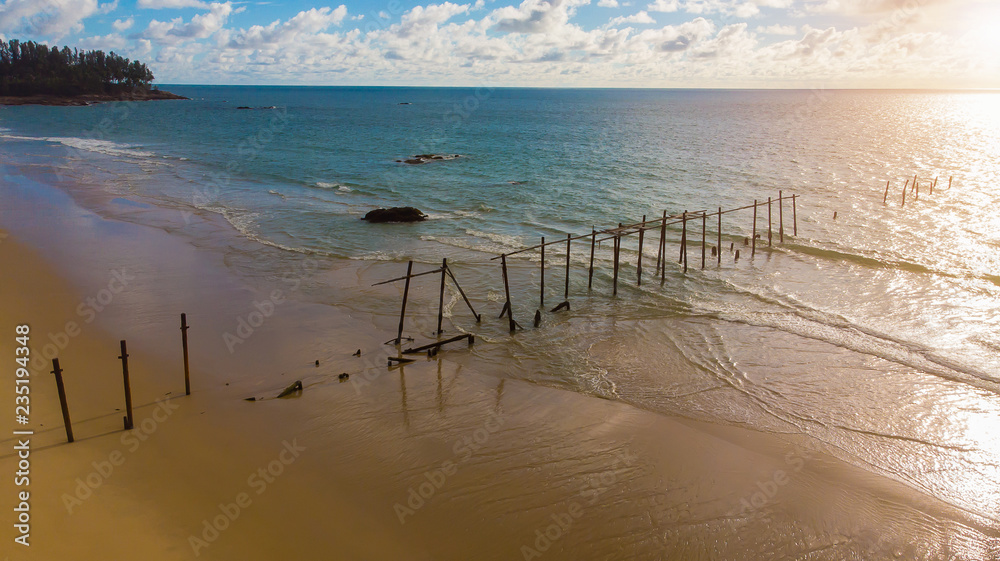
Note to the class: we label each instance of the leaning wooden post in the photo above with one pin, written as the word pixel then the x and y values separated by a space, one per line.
pixel 703 219
pixel 569 238
pixel 618 241
pixel 753 236
pixel 402 310
pixel 638 263
pixel 885 197
pixel 506 289
pixel 769 222
pixel 661 251
pixel 590 273
pixel 933 185
pixel 128 387
pixel 444 273
pixel 781 219
pixel 62 399
pixel 902 204
pixel 541 297
pixel 719 247
pixel 684 227
pixel 684 249
pixel 949 181
pixel 184 344
pixel 916 191
pixel 795 219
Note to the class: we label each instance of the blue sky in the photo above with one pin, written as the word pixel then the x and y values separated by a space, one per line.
pixel 584 43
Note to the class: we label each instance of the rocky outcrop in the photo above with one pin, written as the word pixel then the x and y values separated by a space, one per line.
pixel 395 214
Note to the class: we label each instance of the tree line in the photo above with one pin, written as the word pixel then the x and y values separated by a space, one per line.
pixel 27 68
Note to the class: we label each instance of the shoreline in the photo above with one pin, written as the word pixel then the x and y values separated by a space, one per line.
pixel 87 99
pixel 512 457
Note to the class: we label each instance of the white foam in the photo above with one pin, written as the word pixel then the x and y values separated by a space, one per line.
pixel 106 147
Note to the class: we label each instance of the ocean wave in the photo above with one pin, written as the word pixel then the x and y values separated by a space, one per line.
pixel 334 186
pixel 105 147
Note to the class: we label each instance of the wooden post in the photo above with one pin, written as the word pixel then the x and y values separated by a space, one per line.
pixel 541 297
pixel 444 274
pixel 933 185
pixel 128 387
pixel 949 182
pixel 638 263
pixel 902 204
pixel 753 235
pixel 593 242
pixel 618 241
pixel 506 289
pixel 781 219
pixel 885 197
pixel 795 219
pixel 719 252
pixel 916 191
pixel 914 181
pixel 406 293
pixel 684 248
pixel 684 226
pixel 464 297
pixel 703 219
pixel 569 238
pixel 62 399
pixel 660 252
pixel 769 222
pixel 184 344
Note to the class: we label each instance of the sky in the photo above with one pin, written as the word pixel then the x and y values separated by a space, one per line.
pixel 545 43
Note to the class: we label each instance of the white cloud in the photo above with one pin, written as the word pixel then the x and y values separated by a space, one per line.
pixel 170 4
pixel 305 23
pixel 108 7
pixel 777 29
pixel 52 18
pixel 201 26
pixel 107 42
pixel 607 3
pixel 122 25
pixel 641 17
pixel 536 16
pixel 664 6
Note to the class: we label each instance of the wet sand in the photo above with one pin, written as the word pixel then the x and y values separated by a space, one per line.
pixel 434 460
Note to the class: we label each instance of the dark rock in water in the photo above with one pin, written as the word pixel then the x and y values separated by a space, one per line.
pixel 343 377
pixel 358 353
pixel 404 103
pixel 395 214
pixel 295 387
pixel 414 161
pixel 424 158
pixel 250 399
pixel 243 107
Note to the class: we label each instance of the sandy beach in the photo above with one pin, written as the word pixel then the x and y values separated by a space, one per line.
pixel 437 459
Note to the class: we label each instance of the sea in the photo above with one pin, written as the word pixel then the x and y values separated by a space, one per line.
pixel 865 317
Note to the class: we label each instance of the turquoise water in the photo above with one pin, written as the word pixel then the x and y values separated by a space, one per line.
pixel 875 332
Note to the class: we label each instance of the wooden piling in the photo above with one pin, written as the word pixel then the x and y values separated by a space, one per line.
pixel 406 293
pixel 444 274
pixel 62 399
pixel 464 297
pixel 703 219
pixel 720 237
pixel 638 263
pixel 184 345
pixel 795 219
pixel 684 245
pixel 593 242
pixel 684 229
pixel 949 182
pixel 885 197
pixel 903 203
pixel 618 242
pixel 781 219
pixel 541 297
pixel 916 191
pixel 753 236
pixel 569 238
pixel 769 222
pixel 506 289
pixel 128 387
pixel 661 256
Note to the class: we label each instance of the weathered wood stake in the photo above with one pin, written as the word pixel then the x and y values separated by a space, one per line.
pixel 885 197
pixel 464 297
pixel 406 293
pixel 444 274
pixel 638 263
pixel 506 289
pixel 541 297
pixel 795 219
pixel 781 219
pixel 719 252
pixel 684 229
pixel 618 242
pixel 569 238
pixel 769 222
pixel 933 185
pixel 903 203
pixel 661 258
pixel 703 219
pixel 184 345
pixel 593 242
pixel 128 387
pixel 753 236
pixel 949 181
pixel 62 399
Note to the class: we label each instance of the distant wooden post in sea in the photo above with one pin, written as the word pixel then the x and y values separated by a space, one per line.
pixel 62 399
pixel 753 235
pixel 541 297
pixel 184 345
pixel 128 386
